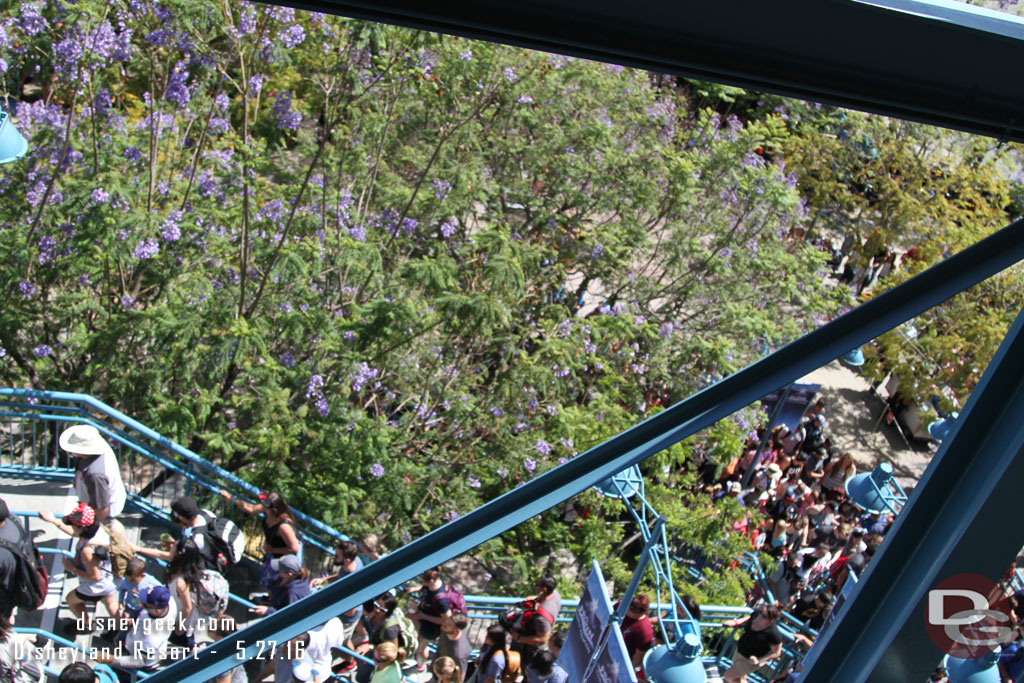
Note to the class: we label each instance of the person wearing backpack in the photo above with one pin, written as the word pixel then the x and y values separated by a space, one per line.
pixel 383 623
pixel 91 563
pixel 532 627
pixel 219 540
pixel 496 662
pixel 23 576
pixel 280 534
pixel 434 606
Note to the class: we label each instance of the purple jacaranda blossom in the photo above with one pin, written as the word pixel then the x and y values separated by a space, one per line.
pixel 66 54
pixel 170 230
pixel 560 371
pixel 448 228
pixel 223 102
pixel 286 117
pixel 42 351
pixel 133 155
pixel 292 36
pixel 362 375
pixel 666 329
pixel 47 249
pixel 161 36
pixel 26 289
pixel 247 22
pixel 285 307
pixel 567 443
pixel 3 352
pixel 441 188
pixel 122 50
pixel 530 465
pixel 255 84
pixel 323 406
pixel 127 302
pixel 272 210
pixel 146 249
pixel 497 412
pixel 502 472
pixel 409 225
pixel 377 470
pixel 102 41
pixel 84 281
pixel 753 159
pixel 100 196
pixel 473 482
pixel 451 516
pixel 31 20
pixel 287 359
pixel 524 99
pixel 466 56
pixel 358 233
pixel 543 447
pixel 177 91
pixel 510 74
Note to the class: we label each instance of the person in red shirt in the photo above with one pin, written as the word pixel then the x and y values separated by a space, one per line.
pixel 637 629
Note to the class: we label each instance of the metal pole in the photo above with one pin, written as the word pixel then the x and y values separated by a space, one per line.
pixel 959 519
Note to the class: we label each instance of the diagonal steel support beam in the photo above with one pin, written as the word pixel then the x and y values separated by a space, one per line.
pixel 857 327
pixel 961 518
pixel 931 64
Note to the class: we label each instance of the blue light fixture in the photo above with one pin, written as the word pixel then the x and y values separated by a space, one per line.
pixel 678 664
pixel 12 145
pixel 876 491
pixel 980 670
pixel 625 484
pixel 939 429
pixel 854 358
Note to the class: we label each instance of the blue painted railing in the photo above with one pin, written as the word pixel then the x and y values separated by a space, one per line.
pixel 156 468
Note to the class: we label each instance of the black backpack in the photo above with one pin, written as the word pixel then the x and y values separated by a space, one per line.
pixel 31 579
pixel 222 542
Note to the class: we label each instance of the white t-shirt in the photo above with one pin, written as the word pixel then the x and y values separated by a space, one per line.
pixel 321 640
pixel 147 641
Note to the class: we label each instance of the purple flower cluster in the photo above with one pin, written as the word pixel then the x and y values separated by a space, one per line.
pixel 47 249
pixel 247 22
pixel 177 91
pixel 66 54
pixel 510 74
pixel 133 155
pixel 358 233
pixel 161 36
pixel 272 210
pixel 496 411
pixel 597 251
pixel 530 465
pixel 255 84
pixel 128 302
pixel 376 470
pixel 282 111
pixel 524 99
pixel 362 375
pixel 315 391
pixel 31 20
pixel 169 229
pixel 287 359
pixel 473 482
pixel 409 225
pixel 466 56
pixel 102 41
pixel 122 51
pixel 543 447
pixel 26 289
pixel 451 516
pixel 292 36
pixel 146 249
pixel 42 351
pixel 448 228
pixel 441 188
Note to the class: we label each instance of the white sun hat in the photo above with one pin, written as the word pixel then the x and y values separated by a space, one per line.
pixel 83 440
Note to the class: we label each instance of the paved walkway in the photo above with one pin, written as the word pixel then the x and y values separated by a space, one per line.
pixel 852 412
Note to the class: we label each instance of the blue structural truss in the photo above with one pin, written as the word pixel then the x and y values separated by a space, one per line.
pixel 997 399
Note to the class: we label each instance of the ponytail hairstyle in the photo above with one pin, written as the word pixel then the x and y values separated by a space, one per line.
pixel 499 641
pixel 446 669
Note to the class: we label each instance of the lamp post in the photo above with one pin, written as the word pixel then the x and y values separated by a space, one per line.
pixel 876 491
pixel 939 429
pixel 12 144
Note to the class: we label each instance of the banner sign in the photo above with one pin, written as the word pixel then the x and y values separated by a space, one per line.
pixel 590 631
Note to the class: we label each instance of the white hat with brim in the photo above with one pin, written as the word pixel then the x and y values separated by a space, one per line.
pixel 83 440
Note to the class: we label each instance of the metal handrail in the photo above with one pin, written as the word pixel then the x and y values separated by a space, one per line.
pixel 31 404
pixel 160 439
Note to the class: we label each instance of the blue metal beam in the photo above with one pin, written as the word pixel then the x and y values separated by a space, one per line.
pixel 959 72
pixel 961 518
pixel 967 268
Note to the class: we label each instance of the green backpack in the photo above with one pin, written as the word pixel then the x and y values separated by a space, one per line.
pixel 408 637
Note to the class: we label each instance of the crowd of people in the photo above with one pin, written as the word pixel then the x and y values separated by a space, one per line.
pixel 151 621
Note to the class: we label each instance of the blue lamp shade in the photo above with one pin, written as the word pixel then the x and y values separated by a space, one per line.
pixel 628 483
pixel 681 665
pixel 939 429
pixel 980 670
pixel 871 491
pixel 12 145
pixel 854 358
